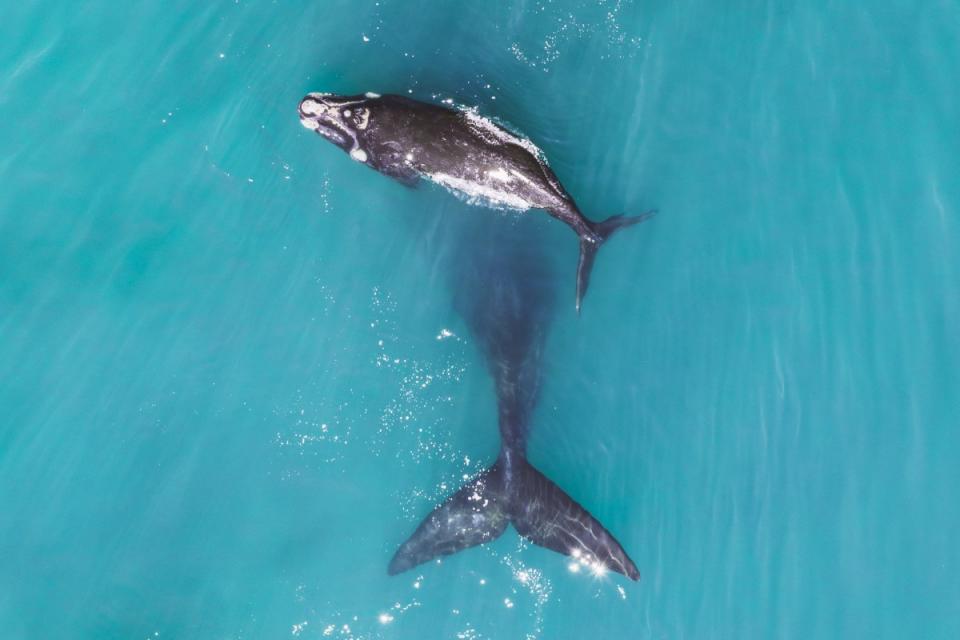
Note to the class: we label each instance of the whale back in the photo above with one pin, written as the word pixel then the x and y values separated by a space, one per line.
pixel 505 291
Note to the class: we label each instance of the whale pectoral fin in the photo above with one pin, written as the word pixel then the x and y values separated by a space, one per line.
pixel 473 515
pixel 392 161
pixel 404 175
pixel 548 517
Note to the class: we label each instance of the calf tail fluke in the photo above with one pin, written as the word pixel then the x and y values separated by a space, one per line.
pixel 591 243
pixel 539 510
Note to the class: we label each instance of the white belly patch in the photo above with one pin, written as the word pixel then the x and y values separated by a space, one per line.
pixel 480 194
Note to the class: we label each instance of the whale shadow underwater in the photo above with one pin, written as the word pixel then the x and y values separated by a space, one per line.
pixel 504 290
pixel 472 156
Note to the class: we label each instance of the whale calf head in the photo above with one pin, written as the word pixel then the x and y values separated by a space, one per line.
pixel 340 119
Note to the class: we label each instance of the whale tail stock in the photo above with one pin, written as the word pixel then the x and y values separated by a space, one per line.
pixel 514 492
pixel 590 244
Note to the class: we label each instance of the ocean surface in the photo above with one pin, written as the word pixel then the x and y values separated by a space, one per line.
pixel 232 379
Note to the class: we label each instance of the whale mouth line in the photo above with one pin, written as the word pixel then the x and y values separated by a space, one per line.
pixel 327 130
pixel 319 115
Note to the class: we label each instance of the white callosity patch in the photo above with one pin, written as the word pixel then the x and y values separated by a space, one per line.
pixel 371 94
pixel 314 107
pixel 326 106
pixel 331 100
pixel 363 118
pixel 322 106
pixel 317 110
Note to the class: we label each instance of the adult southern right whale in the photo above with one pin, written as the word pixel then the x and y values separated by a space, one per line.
pixel 459 149
pixel 504 291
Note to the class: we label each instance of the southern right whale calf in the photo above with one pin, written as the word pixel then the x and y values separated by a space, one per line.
pixel 461 150
pixel 504 293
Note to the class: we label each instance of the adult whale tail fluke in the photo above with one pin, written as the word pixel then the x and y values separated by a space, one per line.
pixel 590 244
pixel 475 514
pixel 513 491
pixel 504 288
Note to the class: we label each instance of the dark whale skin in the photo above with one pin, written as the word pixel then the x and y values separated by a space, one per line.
pixel 504 290
pixel 472 156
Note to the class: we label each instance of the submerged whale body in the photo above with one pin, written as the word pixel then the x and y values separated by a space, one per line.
pixel 468 154
pixel 505 297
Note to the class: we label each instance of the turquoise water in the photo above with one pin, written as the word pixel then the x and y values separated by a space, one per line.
pixel 232 379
